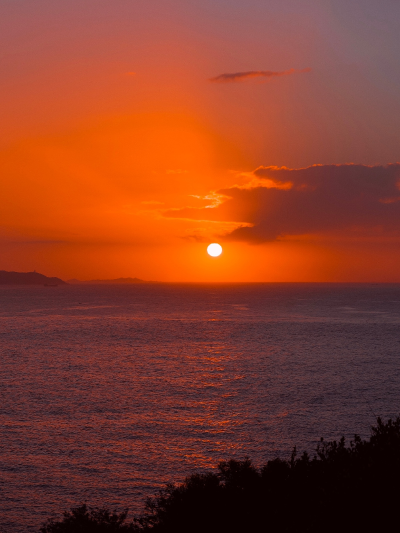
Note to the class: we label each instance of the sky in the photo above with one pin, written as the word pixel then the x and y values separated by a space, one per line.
pixel 135 133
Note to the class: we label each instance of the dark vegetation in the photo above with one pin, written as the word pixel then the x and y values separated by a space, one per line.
pixel 353 488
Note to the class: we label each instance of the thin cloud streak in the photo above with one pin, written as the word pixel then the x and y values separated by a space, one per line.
pixel 241 76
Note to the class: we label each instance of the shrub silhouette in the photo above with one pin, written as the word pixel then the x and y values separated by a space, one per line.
pixel 84 519
pixel 353 488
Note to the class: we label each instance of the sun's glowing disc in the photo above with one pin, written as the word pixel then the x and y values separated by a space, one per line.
pixel 214 249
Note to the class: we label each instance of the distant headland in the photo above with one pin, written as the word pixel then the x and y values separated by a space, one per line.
pixel 118 281
pixel 34 278
pixel 28 278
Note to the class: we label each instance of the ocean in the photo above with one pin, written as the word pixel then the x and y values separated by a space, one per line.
pixel 109 392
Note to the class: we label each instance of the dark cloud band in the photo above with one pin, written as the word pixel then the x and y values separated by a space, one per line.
pixel 343 199
pixel 241 76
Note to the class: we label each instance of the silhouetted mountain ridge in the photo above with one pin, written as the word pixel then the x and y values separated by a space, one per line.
pixel 28 278
pixel 118 281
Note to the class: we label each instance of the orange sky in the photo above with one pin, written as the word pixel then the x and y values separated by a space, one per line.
pixel 134 133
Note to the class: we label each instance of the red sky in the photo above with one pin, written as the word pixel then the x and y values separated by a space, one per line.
pixel 135 133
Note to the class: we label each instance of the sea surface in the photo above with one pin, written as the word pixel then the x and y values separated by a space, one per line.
pixel 109 392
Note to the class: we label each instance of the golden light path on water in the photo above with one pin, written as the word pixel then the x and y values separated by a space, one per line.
pixel 108 392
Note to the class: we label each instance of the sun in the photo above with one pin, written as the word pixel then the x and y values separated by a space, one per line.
pixel 214 249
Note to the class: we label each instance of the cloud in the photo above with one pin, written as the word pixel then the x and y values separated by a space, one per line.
pixel 241 76
pixel 355 200
pixel 25 242
pixel 176 171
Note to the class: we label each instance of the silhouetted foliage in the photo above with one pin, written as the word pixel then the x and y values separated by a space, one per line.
pixel 84 519
pixel 353 488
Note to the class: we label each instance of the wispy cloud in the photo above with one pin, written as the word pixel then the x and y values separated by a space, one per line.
pixel 241 76
pixel 176 171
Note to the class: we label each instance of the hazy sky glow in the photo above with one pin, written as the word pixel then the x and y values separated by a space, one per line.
pixel 134 133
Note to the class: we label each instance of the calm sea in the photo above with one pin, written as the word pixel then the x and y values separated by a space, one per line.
pixel 109 392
